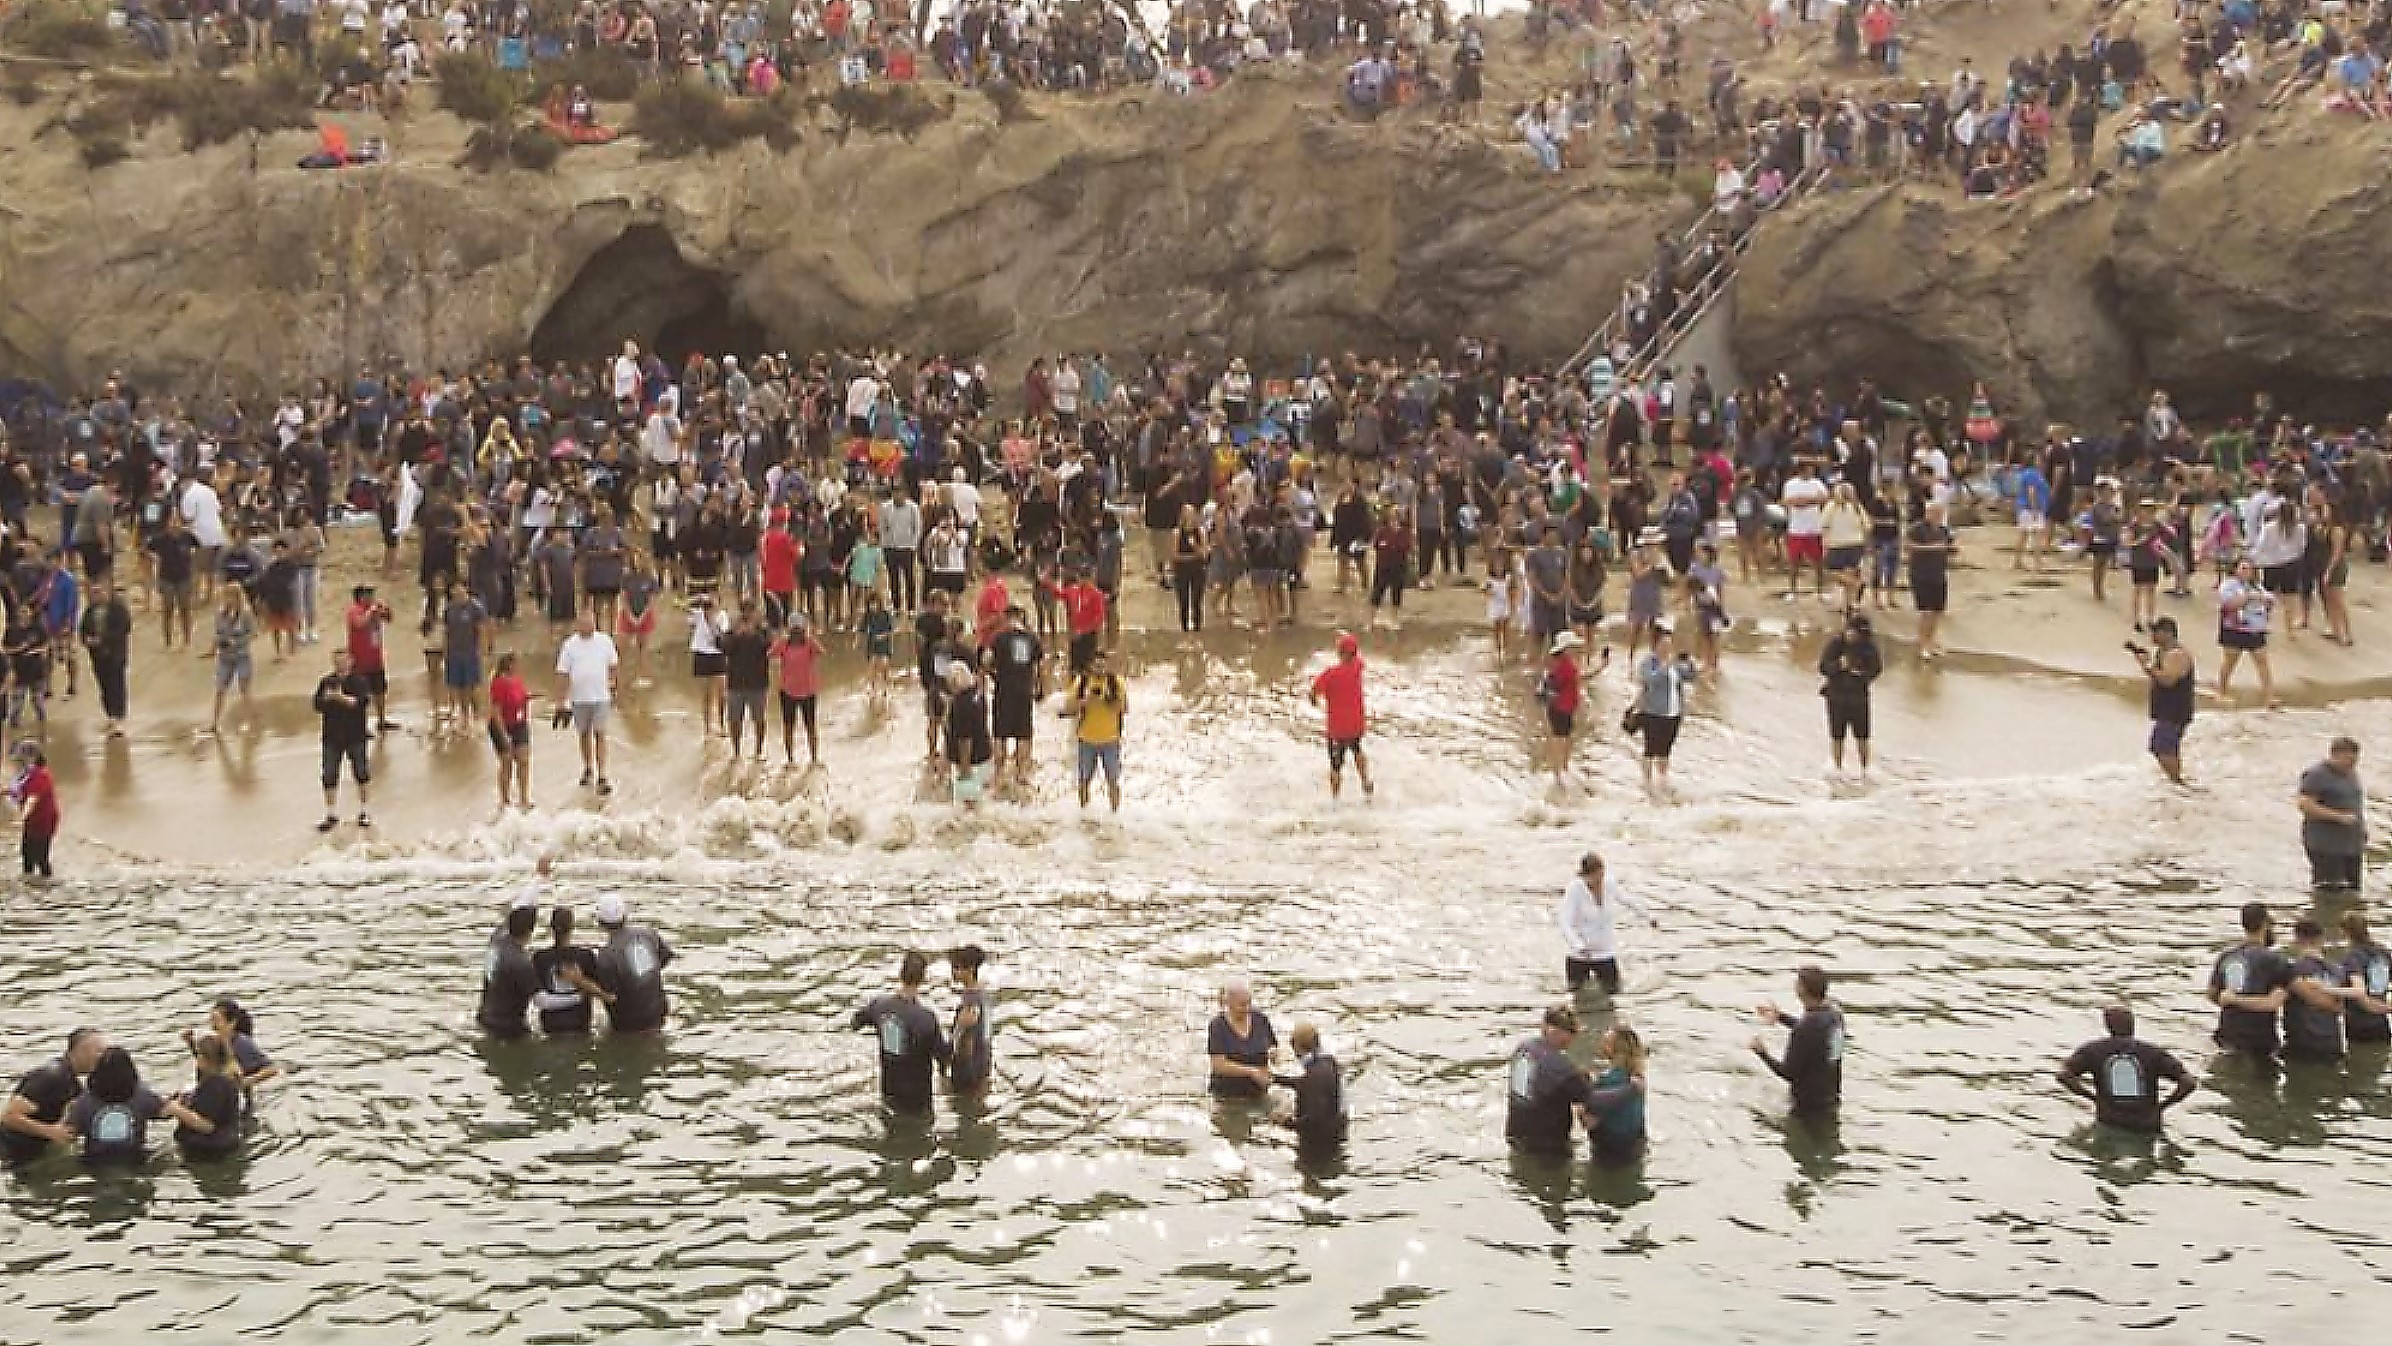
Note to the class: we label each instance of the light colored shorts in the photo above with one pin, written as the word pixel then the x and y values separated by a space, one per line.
pixel 589 717
pixel 2030 522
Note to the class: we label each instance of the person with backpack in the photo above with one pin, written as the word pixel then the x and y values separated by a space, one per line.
pixel 110 1121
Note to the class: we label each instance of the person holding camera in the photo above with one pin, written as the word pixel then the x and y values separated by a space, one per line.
pixel 1850 663
pixel 2168 669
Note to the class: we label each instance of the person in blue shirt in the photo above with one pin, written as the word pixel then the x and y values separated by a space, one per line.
pixel 2030 498
pixel 1615 1107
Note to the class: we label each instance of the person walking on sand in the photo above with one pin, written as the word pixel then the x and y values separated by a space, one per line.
pixel 2245 611
pixel 235 630
pixel 1339 688
pixel 585 666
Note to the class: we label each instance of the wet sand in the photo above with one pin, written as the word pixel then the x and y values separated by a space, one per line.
pixel 2026 648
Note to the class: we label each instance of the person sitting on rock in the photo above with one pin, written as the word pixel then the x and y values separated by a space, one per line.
pixel 2210 136
pixel 2142 143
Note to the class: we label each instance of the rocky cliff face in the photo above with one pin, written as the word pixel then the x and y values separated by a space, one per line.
pixel 2214 276
pixel 1260 218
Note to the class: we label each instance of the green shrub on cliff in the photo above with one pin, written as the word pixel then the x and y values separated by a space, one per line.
pixel 208 109
pixel 682 117
pixel 473 87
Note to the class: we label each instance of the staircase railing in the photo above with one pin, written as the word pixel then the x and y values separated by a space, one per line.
pixel 1711 285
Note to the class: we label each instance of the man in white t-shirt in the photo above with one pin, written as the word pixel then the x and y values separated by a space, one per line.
pixel 862 392
pixel 964 498
pixel 585 666
pixel 203 513
pixel 627 376
pixel 660 438
pixel 1806 506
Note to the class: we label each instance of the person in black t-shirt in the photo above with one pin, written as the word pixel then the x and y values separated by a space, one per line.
pixel 2125 1073
pixel 215 1096
pixel 34 1118
pixel 1547 1091
pixel 509 981
pixel 1319 1085
pixel 747 663
pixel 1017 668
pixel 910 1040
pixel 1814 1061
pixel 341 698
pixel 2248 985
pixel 568 975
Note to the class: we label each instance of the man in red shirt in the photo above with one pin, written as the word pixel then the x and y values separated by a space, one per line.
pixel 1339 686
pixel 1084 608
pixel 367 617
pixel 778 567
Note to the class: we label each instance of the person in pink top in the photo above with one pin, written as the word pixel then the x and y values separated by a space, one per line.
pixel 796 657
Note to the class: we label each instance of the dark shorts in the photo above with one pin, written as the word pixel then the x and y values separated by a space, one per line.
pixel 1660 734
pixel 708 665
pixel 793 708
pixel 1586 615
pixel 1564 723
pixel 1604 970
pixel 2283 579
pixel 946 581
pixel 2143 576
pixel 462 673
pixel 1339 747
pixel 1932 596
pixel 604 590
pixel 376 680
pixel 2339 872
pixel 512 739
pixel 1547 620
pixel 1844 558
pixel 662 546
pixel 1009 718
pixel 2167 738
pixel 2231 639
pixel 1847 717
pixel 354 755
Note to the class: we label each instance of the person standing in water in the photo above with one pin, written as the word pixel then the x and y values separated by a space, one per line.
pixel 509 981
pixel 631 970
pixel 1339 687
pixel 1850 664
pixel 2333 807
pixel 2248 985
pixel 974 1056
pixel 35 794
pixel 34 1118
pixel 910 1041
pixel 1931 549
pixel 1319 1117
pixel 1615 1100
pixel 568 974
pixel 1558 688
pixel 1588 925
pixel 1662 678
pixel 1098 704
pixel 1814 1061
pixel 2125 1073
pixel 2367 969
pixel 2314 997
pixel 1238 1044
pixel 366 619
pixel 1546 1092
pixel 216 1095
pixel 2168 668
pixel 510 726
pixel 968 745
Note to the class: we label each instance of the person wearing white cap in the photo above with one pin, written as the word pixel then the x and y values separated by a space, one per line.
pixel 1558 688
pixel 631 969
pixel 508 979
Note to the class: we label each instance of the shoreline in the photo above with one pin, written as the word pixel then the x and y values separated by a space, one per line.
pixel 169 796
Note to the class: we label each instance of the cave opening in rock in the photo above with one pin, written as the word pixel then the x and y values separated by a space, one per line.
pixel 641 288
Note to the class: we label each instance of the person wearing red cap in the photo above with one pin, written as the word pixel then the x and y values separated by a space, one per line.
pixel 1339 687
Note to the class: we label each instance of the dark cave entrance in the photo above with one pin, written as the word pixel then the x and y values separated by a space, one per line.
pixel 641 288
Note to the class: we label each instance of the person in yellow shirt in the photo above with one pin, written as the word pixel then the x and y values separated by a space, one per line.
pixel 1098 704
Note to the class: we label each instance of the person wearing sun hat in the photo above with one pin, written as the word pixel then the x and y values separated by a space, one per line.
pixel 1559 690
